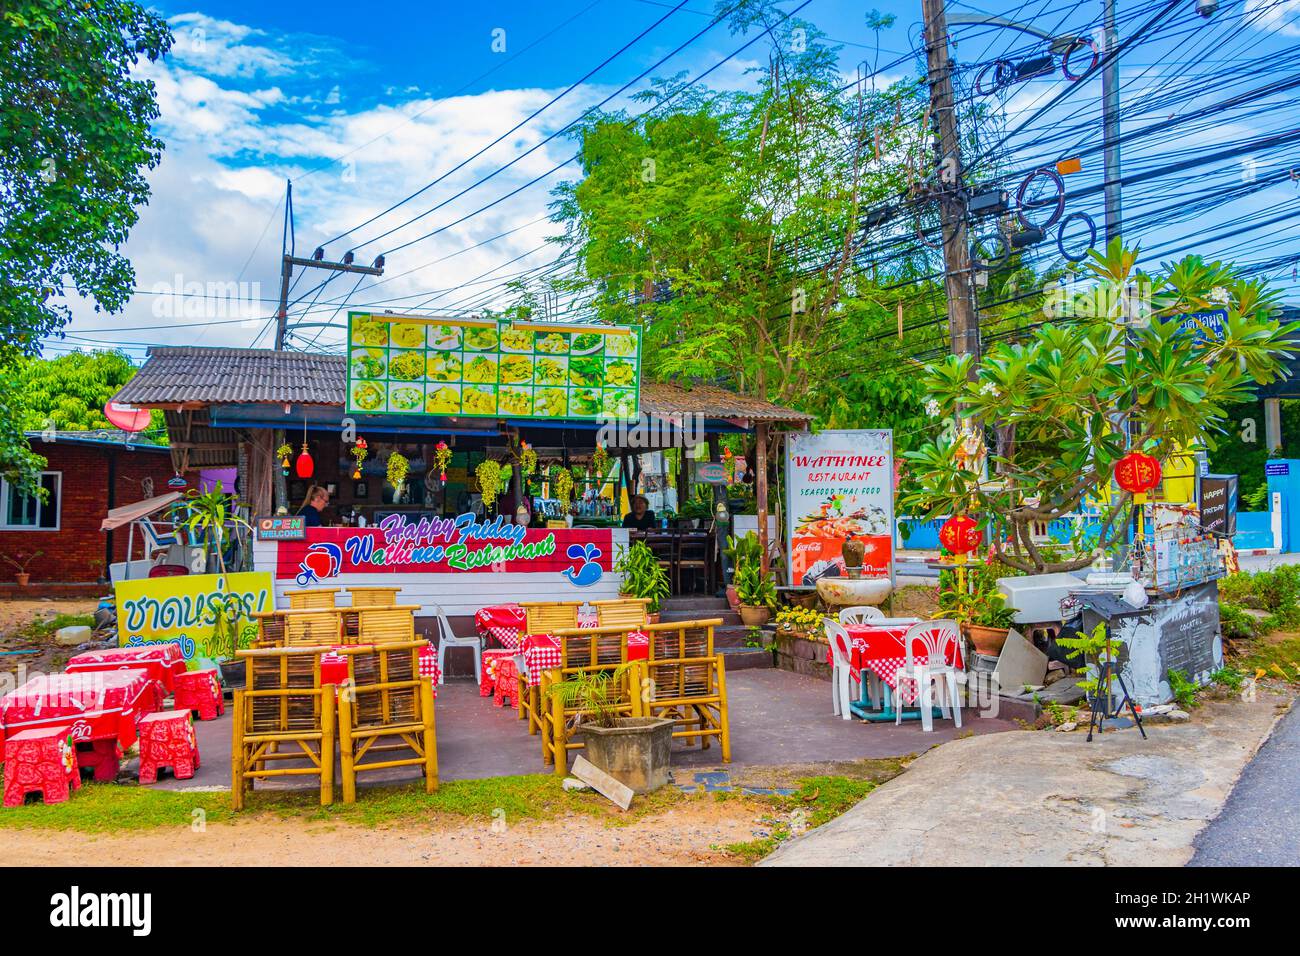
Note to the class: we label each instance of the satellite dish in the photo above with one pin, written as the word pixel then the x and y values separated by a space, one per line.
pixel 127 417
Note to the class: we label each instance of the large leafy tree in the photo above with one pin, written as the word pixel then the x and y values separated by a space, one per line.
pixel 68 393
pixel 75 141
pixel 1117 371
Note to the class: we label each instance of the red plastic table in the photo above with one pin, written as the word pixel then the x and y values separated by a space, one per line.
pixel 101 707
pixel 162 661
pixel 542 653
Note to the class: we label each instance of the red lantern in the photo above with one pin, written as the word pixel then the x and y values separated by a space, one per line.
pixel 960 534
pixel 1137 472
pixel 305 466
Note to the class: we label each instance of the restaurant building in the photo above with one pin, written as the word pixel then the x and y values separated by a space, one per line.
pixel 227 407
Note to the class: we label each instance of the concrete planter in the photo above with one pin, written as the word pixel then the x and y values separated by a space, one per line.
pixel 635 751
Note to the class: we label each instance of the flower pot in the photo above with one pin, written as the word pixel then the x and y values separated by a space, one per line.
pixel 635 751
pixel 754 615
pixel 652 617
pixel 987 641
pixel 733 599
pixel 23 578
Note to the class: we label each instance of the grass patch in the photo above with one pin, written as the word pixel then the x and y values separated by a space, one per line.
pixel 101 807
pixel 1278 657
pixel 40 629
pixel 817 801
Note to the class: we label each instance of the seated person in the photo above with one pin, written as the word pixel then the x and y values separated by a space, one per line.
pixel 640 517
pixel 317 500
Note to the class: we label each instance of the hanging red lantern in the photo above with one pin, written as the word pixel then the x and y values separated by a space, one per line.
pixel 305 466
pixel 1137 473
pixel 960 534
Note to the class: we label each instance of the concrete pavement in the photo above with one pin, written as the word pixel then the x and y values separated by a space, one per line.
pixel 1260 823
pixel 1050 799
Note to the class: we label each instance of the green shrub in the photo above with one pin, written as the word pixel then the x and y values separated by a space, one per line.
pixel 1237 625
pixel 1228 677
pixel 1183 688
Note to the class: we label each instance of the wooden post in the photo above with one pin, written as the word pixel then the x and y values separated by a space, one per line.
pixel 237 754
pixel 559 740
pixel 760 489
pixel 430 737
pixel 345 749
pixel 328 696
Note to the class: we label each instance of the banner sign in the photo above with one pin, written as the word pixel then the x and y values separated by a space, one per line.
pixel 434 545
pixel 181 609
pixel 840 484
pixel 411 365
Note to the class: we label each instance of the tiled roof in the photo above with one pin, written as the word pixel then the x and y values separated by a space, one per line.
pixel 217 376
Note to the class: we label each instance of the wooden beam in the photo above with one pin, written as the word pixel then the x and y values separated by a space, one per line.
pixel 760 489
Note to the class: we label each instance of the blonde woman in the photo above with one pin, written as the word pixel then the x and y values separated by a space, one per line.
pixel 317 500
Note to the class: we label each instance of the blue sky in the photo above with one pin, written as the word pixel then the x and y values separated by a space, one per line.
pixel 363 105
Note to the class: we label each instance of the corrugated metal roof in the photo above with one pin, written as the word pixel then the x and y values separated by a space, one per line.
pixel 221 376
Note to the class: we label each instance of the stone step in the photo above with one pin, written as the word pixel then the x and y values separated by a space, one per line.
pixel 732 635
pixel 694 602
pixel 729 617
pixel 744 658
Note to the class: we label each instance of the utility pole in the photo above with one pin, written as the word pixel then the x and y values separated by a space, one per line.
pixel 1110 121
pixel 963 321
pixel 317 261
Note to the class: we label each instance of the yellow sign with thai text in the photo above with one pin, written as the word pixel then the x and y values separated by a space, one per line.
pixel 207 615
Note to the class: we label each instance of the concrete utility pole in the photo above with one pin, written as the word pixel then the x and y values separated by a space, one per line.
pixel 287 262
pixel 1110 121
pixel 963 320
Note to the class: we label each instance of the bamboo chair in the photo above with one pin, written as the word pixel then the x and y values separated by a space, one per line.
pixel 688 682
pixel 312 627
pixel 585 649
pixel 270 628
pixel 382 624
pixel 386 714
pixel 374 596
pixel 540 617
pixel 283 704
pixel 622 612
pixel 312 598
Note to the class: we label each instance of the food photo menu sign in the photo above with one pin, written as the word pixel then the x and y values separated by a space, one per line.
pixel 408 365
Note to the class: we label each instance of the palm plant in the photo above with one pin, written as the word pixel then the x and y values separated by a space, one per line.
pixel 593 695
pixel 207 515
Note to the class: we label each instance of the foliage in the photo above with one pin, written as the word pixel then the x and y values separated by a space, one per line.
pixel 595 694
pixel 68 393
pixel 75 139
pixel 1184 690
pixel 643 575
pixel 754 588
pixel 1229 678
pixel 745 549
pixel 1058 398
pixel 1235 623
pixel 206 518
pixel 227 615
pixel 562 485
pixel 1279 657
pixel 1276 590
pixel 20 560
pixel 981 608
pixel 489 478
pixel 398 467
pixel 1097 647
pixel 805 619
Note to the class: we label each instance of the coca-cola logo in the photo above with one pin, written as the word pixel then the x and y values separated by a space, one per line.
pixel 81 730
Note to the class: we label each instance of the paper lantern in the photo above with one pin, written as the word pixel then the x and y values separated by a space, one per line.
pixel 960 534
pixel 305 466
pixel 1137 472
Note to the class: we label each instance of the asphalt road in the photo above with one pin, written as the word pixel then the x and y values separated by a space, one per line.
pixel 1259 824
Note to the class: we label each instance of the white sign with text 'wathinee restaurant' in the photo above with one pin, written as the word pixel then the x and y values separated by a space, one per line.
pixel 840 485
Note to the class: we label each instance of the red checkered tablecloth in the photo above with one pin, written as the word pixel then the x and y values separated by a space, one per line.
pixel 542 652
pixel 334 667
pixel 880 650
pixel 506 623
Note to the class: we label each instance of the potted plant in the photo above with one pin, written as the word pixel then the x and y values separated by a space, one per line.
pixel 744 549
pixel 206 518
pixel 643 577
pixel 983 616
pixel 20 561
pixel 756 593
pixel 633 750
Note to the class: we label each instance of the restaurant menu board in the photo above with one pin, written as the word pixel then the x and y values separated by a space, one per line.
pixel 841 486
pixel 404 366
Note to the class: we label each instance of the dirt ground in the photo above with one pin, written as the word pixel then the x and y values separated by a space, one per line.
pixel 689 833
pixel 17 614
pixel 914 600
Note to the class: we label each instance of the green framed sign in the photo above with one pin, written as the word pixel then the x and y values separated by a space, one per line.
pixel 484 368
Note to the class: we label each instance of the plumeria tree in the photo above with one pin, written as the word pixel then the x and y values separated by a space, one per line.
pixel 1119 366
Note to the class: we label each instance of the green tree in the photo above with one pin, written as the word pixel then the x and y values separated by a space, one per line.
pixel 68 393
pixel 75 140
pixel 1079 394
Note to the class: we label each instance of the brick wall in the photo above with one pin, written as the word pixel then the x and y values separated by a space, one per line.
pixel 75 553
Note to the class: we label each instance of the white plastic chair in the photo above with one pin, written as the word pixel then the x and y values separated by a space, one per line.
pixel 446 639
pixel 841 668
pixel 939 641
pixel 861 614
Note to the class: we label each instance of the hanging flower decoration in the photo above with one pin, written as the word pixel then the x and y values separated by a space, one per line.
pixel 442 458
pixel 600 462
pixel 283 453
pixel 489 481
pixel 729 465
pixel 398 469
pixel 527 460
pixel 359 452
pixel 562 486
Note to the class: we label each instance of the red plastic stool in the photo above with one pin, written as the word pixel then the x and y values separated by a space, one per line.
pixel 167 740
pixel 492 659
pixel 42 759
pixel 200 692
pixel 104 757
pixel 507 689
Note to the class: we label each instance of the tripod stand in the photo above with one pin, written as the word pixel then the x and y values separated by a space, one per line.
pixel 1099 711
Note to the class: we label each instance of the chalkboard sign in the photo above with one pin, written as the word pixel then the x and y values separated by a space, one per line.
pixel 1218 504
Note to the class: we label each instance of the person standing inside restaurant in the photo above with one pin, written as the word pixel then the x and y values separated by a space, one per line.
pixel 640 517
pixel 317 500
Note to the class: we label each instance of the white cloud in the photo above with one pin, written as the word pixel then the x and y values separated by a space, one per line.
pixel 1276 16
